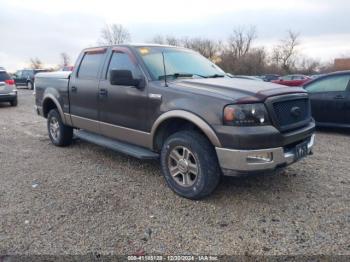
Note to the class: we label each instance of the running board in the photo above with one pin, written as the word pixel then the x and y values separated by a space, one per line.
pixel 122 147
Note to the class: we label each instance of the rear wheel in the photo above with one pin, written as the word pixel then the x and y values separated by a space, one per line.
pixel 189 164
pixel 60 134
pixel 14 102
pixel 30 85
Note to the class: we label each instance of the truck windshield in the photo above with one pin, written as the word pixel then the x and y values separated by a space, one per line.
pixel 178 63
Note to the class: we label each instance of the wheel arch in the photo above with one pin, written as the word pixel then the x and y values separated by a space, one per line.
pixel 51 102
pixel 185 117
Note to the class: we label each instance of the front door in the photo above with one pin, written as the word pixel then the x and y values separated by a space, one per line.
pixel 328 99
pixel 123 109
pixel 83 91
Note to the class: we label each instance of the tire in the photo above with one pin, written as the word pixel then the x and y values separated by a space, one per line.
pixel 184 154
pixel 14 102
pixel 60 134
pixel 30 85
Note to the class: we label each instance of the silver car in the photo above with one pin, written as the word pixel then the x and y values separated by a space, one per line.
pixel 8 91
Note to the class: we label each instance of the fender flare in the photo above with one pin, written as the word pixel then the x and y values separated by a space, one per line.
pixel 58 105
pixel 196 120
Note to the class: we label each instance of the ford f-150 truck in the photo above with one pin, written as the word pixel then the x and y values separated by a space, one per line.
pixel 172 104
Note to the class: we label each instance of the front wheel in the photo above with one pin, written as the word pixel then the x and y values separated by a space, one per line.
pixel 189 164
pixel 60 134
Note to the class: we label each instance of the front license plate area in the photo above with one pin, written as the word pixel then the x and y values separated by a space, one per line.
pixel 301 151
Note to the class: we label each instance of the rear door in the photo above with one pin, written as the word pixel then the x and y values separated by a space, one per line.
pixel 83 90
pixel 20 80
pixel 329 98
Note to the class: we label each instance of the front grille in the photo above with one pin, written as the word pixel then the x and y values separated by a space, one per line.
pixel 292 114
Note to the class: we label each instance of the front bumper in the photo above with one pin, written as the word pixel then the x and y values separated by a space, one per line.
pixel 239 162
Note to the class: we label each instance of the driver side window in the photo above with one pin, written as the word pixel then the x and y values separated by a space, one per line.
pixel 122 61
pixel 329 84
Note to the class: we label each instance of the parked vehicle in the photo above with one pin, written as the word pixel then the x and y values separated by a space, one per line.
pixel 25 77
pixel 292 80
pixel 270 77
pixel 173 104
pixel 8 92
pixel 330 99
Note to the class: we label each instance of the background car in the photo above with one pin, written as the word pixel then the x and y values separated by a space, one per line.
pixel 270 77
pixel 8 92
pixel 292 80
pixel 330 99
pixel 25 77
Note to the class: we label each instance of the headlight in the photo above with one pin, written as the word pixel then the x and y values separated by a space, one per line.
pixel 246 115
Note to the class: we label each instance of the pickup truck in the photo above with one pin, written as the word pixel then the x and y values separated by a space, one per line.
pixel 172 104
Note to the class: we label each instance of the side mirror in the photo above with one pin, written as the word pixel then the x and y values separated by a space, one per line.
pixel 125 78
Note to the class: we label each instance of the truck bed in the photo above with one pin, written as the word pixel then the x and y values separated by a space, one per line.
pixel 57 81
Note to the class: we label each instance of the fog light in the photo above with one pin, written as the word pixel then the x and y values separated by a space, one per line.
pixel 259 157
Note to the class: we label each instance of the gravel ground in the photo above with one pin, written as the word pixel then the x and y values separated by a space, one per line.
pixel 85 198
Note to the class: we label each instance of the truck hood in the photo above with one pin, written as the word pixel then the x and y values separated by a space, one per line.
pixel 235 88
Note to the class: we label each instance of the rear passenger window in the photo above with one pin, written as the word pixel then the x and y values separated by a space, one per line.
pixel 89 65
pixel 25 73
pixel 4 76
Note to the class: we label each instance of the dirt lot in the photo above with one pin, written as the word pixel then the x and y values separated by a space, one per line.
pixel 85 198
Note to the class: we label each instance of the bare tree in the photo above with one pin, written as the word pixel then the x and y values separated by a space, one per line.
pixel 114 34
pixel 252 63
pixel 284 54
pixel 206 47
pixel 158 39
pixel 240 41
pixel 308 66
pixel 65 59
pixel 35 63
pixel 171 40
pixel 238 55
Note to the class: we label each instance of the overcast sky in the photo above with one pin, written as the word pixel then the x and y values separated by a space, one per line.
pixel 44 29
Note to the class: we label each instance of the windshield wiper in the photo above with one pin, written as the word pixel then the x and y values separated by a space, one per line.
pixel 177 75
pixel 215 76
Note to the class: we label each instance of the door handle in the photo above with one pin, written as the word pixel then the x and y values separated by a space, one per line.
pixel 74 89
pixel 339 97
pixel 103 92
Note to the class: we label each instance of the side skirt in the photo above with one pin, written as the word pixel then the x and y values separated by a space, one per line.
pixel 122 147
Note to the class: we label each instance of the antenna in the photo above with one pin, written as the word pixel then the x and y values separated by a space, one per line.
pixel 165 80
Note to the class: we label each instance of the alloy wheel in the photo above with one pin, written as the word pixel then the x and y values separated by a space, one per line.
pixel 183 166
pixel 54 128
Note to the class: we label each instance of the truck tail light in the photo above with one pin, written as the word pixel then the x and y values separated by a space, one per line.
pixel 10 82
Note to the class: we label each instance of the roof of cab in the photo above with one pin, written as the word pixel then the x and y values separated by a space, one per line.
pixel 99 48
